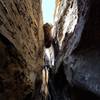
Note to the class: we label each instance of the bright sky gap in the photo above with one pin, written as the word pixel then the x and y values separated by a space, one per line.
pixel 48 7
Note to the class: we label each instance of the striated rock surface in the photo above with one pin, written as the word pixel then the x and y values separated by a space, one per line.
pixel 21 48
pixel 77 40
pixel 82 68
pixel 21 23
pixel 75 43
pixel 70 18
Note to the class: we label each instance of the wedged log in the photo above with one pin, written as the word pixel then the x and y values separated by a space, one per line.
pixel 70 18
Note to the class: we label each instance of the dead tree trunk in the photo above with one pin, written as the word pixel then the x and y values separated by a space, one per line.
pixel 20 26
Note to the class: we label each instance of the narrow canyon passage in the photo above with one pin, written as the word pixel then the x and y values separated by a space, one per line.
pixel 67 84
pixel 49 50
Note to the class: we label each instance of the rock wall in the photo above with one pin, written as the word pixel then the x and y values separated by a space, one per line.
pixel 21 47
pixel 82 69
pixel 70 19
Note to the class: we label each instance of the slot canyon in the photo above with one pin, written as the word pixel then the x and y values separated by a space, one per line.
pixel 73 41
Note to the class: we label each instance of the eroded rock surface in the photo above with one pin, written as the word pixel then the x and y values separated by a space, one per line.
pixel 21 48
pixel 77 20
pixel 69 22
pixel 21 23
pixel 84 71
pixel 82 68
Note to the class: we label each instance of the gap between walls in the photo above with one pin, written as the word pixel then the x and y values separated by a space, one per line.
pixel 48 9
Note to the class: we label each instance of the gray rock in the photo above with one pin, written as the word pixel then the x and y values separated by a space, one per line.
pixel 83 70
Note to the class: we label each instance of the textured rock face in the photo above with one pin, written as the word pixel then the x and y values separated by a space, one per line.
pixel 74 22
pixel 16 81
pixel 21 47
pixel 82 67
pixel 83 70
pixel 70 18
pixel 21 23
